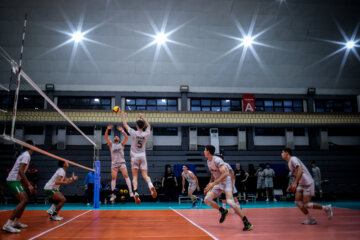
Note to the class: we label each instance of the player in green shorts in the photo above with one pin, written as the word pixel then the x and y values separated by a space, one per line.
pixel 16 175
pixel 52 189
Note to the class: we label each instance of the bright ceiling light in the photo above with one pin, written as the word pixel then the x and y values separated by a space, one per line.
pixel 350 44
pixel 160 38
pixel 77 36
pixel 247 41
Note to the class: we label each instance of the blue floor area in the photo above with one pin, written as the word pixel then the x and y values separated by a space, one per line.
pixel 175 205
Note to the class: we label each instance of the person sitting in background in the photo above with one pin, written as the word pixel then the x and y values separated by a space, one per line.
pixel 269 174
pixel 89 187
pixel 260 183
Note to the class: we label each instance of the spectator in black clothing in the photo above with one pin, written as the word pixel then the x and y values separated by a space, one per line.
pixel 240 181
pixel 251 182
pixel 169 183
pixel 89 187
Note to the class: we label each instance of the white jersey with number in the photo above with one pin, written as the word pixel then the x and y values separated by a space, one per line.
pixel 306 178
pixel 188 177
pixel 50 185
pixel 138 141
pixel 117 153
pixel 14 175
pixel 214 166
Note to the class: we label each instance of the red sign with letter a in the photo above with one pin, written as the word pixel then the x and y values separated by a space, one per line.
pixel 248 103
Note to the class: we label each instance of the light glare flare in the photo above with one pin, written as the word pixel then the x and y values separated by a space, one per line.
pixel 350 44
pixel 160 38
pixel 77 36
pixel 247 41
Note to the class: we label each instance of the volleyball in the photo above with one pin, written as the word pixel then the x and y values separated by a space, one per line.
pixel 121 191
pixel 125 191
pixel 116 109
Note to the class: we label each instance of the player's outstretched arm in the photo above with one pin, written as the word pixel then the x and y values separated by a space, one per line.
pixel 123 115
pixel 125 135
pixel 145 121
pixel 109 127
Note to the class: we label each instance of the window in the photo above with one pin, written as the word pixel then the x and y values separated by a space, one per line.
pixel 151 104
pixel 33 130
pixel 203 131
pixel 278 105
pixel 344 131
pixel 269 132
pixel 85 130
pixel 96 103
pixel 24 102
pixel 165 131
pixel 215 105
pixel 334 106
pixel 228 132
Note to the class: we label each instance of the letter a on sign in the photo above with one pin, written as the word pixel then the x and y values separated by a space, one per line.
pixel 249 108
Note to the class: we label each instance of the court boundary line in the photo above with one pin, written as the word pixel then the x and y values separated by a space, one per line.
pixel 49 230
pixel 208 233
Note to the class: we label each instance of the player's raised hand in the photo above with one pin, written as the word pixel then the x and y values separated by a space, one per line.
pixel 141 116
pixel 119 128
pixel 110 126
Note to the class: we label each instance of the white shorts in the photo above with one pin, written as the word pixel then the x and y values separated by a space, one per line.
pixel 224 186
pixel 192 187
pixel 260 185
pixel 269 184
pixel 139 162
pixel 118 165
pixel 307 190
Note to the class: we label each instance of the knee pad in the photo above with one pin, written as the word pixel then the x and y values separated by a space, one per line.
pixel 300 204
pixel 207 200
pixel 231 203
pixel 309 205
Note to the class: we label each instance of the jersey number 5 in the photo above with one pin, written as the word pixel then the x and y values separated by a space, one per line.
pixel 139 144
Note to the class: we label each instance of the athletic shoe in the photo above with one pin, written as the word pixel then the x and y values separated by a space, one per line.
pixel 200 202
pixel 137 198
pixel 329 211
pixel 267 200
pixel 194 205
pixel 112 198
pixel 311 221
pixel 248 226
pixel 223 216
pixel 56 218
pixel 274 200
pixel 10 229
pixel 50 211
pixel 131 194
pixel 153 192
pixel 19 225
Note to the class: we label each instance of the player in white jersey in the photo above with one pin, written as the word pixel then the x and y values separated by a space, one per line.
pixel 303 184
pixel 138 154
pixel 235 191
pixel 16 175
pixel 51 189
pixel 118 160
pixel 193 184
pixel 221 182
